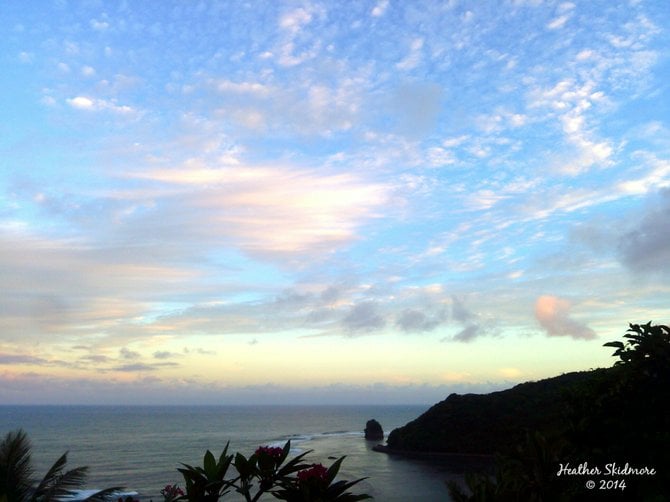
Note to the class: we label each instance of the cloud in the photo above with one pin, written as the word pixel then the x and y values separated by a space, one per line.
pixel 131 368
pixel 99 25
pixel 298 47
pixel 81 102
pixel 126 353
pixel 413 320
pixel 92 104
pixel 11 359
pixel 268 210
pixel 252 88
pixel 95 358
pixel 459 311
pixel 68 289
pixel 558 22
pixel 553 314
pixel 87 71
pixel 646 247
pixel 657 176
pixel 309 108
pixel 413 59
pixel 295 20
pixel 380 8
pixel 474 324
pixel 360 173
pixel 30 388
pixel 30 360
pixel 142 367
pixel 468 333
pixel 572 103
pixel 364 317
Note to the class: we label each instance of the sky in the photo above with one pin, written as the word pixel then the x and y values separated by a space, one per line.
pixel 260 202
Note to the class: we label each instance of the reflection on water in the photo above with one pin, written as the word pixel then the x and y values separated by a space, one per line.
pixel 142 447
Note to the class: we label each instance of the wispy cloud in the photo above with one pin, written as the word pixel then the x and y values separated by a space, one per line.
pixel 269 210
pixel 94 104
pixel 394 173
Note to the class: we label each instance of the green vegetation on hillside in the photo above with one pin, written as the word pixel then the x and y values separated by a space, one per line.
pixel 606 418
pixel 491 423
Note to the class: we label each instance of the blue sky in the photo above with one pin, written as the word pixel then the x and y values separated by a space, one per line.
pixel 383 201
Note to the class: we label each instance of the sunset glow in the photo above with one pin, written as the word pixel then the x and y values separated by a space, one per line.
pixel 326 202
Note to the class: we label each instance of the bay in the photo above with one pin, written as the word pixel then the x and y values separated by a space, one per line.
pixel 141 447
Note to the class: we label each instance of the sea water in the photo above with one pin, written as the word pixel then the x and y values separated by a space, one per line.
pixel 141 447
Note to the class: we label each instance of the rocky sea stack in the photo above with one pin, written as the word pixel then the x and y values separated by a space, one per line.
pixel 373 430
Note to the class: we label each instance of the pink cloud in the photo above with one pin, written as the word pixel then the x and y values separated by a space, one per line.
pixel 553 314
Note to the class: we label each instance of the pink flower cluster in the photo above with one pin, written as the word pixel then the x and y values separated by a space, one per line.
pixel 171 492
pixel 317 471
pixel 272 451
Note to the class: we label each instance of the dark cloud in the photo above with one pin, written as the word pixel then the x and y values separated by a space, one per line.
pixel 646 246
pixel 330 295
pixel 413 320
pixel 95 358
pixel 364 317
pixel 126 353
pixel 135 367
pixel 144 367
pixel 21 359
pixel 10 359
pixel 468 333
pixel 459 312
pixel 163 354
pixel 291 299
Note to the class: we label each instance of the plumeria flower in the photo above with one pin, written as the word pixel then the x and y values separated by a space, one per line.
pixel 273 451
pixel 171 492
pixel 317 471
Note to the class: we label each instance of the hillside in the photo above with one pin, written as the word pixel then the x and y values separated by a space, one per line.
pixel 605 417
pixel 495 422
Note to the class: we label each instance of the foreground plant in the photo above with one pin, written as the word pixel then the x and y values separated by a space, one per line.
pixel 267 470
pixel 207 483
pixel 616 417
pixel 17 483
pixel 317 483
pixel 172 492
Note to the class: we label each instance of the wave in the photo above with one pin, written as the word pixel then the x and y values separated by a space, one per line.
pixel 298 440
pixel 79 495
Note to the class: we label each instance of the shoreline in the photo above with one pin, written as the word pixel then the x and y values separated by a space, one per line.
pixel 461 461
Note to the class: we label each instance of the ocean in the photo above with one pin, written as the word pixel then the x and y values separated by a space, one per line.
pixel 141 447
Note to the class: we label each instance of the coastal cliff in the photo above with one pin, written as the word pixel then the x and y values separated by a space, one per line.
pixel 497 422
pixel 549 435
